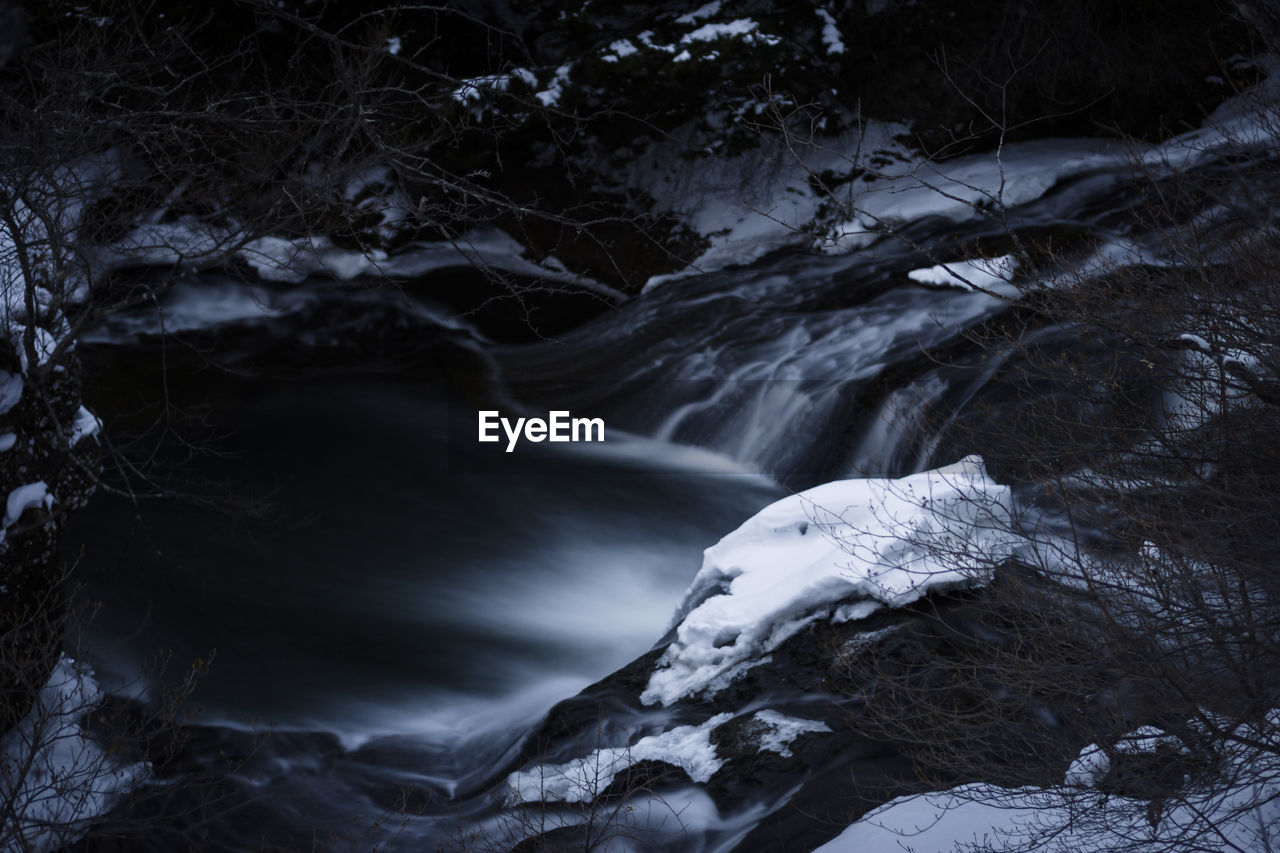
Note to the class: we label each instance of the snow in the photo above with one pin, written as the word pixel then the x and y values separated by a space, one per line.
pixel 937 823
pixel 186 240
pixel 646 39
pixel 86 425
pixel 10 390
pixel 701 12
pixel 1062 820
pixel 44 343
pixel 1088 768
pixel 208 302
pixel 830 34
pixel 1197 341
pixel 1146 739
pixel 753 203
pixel 291 261
pixel 198 244
pixel 1241 811
pixel 58 200
pixel 962 189
pixel 374 191
pixel 761 201
pixel 879 542
pixel 284 260
pixel 853 611
pixel 213 300
pixel 743 28
pixel 393 45
pixel 550 96
pixel 583 779
pixel 53 777
pixel 623 48
pixel 993 275
pixel 1247 120
pixel 783 729
pixel 7 441
pixel 26 497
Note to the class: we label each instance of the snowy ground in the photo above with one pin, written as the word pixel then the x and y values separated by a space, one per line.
pixel 1241 814
pixel 764 200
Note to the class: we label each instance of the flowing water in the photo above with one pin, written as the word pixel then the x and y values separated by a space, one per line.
pixel 409 604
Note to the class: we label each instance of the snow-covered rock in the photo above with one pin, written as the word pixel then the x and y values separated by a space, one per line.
pixel 866 543
pixel 54 778
pixel 25 497
pixel 1088 768
pixel 87 425
pixel 1147 739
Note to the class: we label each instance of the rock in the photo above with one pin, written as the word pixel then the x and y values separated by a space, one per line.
pixel 32 609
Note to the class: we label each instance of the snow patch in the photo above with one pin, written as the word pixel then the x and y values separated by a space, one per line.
pixel 830 33
pixel 550 96
pixel 44 343
pixel 963 189
pixel 26 497
pixel 783 729
pixel 646 39
pixel 699 13
pixel 54 778
pixel 756 202
pixel 1196 341
pixel 1242 812
pixel 1146 739
pixel 743 28
pixel 186 240
pixel 1088 768
pixel 294 260
pixel 284 260
pixel 584 779
pixel 87 424
pixel 623 48
pixel 993 275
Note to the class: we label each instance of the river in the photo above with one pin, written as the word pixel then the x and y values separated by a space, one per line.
pixel 400 605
